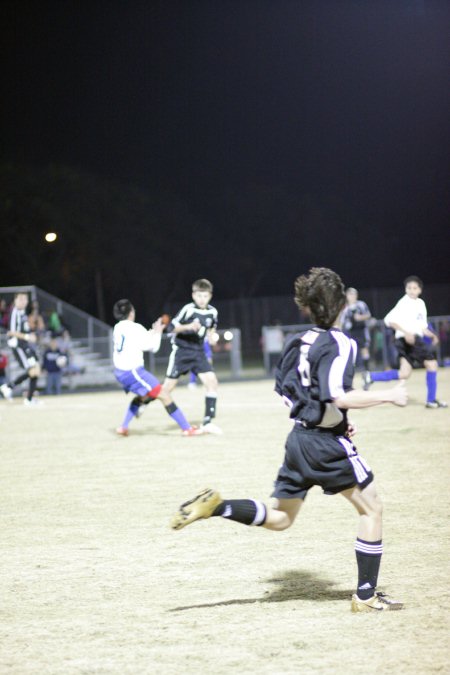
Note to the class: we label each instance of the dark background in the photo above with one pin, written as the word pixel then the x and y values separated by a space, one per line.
pixel 239 140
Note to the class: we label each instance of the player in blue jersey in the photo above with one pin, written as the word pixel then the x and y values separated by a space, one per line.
pixel 314 377
pixel 195 323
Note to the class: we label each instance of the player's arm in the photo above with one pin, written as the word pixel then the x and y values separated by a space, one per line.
pixel 362 317
pixel 28 337
pixel 153 337
pixel 410 338
pixel 212 336
pixel 357 398
pixel 429 333
pixel 192 327
pixel 178 325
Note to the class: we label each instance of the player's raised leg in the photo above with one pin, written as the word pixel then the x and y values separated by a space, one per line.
pixel 208 503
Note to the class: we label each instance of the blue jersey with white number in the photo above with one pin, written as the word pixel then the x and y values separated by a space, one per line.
pixel 316 368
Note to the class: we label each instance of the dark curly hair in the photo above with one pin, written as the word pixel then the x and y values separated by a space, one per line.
pixel 122 309
pixel 322 294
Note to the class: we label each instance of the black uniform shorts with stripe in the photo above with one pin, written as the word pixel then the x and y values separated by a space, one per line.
pixel 26 357
pixel 317 457
pixel 183 360
pixel 417 353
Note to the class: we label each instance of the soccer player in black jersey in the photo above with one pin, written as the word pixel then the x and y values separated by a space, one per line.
pixel 314 377
pixel 22 341
pixel 195 323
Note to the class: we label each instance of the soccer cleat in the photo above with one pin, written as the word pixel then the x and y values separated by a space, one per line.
pixel 367 380
pixel 211 428
pixel 436 404
pixel 6 392
pixel 202 505
pixel 122 431
pixel 32 403
pixel 192 431
pixel 380 602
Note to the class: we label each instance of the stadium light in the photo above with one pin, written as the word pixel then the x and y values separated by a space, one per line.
pixel 50 237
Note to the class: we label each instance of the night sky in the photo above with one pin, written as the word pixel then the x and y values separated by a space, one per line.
pixel 283 134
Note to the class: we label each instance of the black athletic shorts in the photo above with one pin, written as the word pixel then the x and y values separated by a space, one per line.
pixel 317 457
pixel 26 357
pixel 361 337
pixel 183 360
pixel 417 353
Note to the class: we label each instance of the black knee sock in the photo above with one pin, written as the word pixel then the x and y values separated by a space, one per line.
pixel 19 379
pixel 138 401
pixel 368 557
pixel 245 511
pixel 210 408
pixel 32 387
pixel 366 363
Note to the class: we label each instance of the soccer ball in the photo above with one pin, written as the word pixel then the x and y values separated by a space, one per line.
pixel 61 361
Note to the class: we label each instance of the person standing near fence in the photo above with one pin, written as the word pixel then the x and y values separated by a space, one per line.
pixel 355 319
pixel 22 342
pixel 409 320
pixel 54 362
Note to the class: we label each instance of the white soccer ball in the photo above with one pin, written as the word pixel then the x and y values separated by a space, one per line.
pixel 61 361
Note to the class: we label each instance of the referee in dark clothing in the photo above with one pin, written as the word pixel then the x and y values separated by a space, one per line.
pixel 314 377
pixel 22 341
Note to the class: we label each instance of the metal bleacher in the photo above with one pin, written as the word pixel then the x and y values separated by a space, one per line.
pixel 90 340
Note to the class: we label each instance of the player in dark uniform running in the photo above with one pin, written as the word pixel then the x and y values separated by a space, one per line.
pixel 194 324
pixel 354 324
pixel 22 341
pixel 315 379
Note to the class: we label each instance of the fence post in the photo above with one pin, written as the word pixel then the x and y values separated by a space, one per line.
pixel 90 327
pixel 236 356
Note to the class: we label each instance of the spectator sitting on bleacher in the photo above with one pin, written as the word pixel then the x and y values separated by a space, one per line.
pixel 36 320
pixel 55 324
pixel 3 364
pixel 5 312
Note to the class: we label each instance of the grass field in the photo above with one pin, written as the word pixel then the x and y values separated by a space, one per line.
pixel 94 580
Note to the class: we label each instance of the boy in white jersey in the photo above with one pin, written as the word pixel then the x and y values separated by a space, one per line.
pixel 131 339
pixel 409 320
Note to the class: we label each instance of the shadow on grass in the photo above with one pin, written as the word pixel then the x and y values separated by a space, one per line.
pixel 291 585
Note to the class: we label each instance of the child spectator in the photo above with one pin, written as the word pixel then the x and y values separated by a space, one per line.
pixel 54 362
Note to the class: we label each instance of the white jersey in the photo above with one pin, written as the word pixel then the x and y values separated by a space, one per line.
pixel 130 341
pixel 410 314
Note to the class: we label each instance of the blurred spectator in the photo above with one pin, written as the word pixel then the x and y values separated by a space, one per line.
pixel 55 324
pixel 5 311
pixel 273 344
pixel 3 365
pixel 36 320
pixel 54 362
pixel 355 318
pixel 64 345
pixel 444 337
